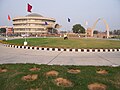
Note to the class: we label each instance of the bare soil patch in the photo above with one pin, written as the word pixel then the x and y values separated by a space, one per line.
pixel 102 71
pixel 3 70
pixel 52 73
pixel 63 82
pixel 34 69
pixel 97 86
pixel 74 71
pixel 30 77
pixel 36 89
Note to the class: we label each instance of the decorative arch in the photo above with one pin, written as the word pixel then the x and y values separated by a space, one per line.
pixel 104 21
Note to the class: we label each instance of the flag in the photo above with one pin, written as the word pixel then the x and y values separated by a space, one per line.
pixel 29 8
pixel 68 19
pixel 46 23
pixel 9 17
pixel 86 23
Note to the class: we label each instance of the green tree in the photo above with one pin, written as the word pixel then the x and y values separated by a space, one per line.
pixel 111 32
pixel 77 28
pixel 2 30
pixel 95 32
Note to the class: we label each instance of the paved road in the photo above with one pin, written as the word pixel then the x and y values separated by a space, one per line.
pixel 16 55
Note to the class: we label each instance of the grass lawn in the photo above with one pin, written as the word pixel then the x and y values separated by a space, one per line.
pixel 12 77
pixel 70 43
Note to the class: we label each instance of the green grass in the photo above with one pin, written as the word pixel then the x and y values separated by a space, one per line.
pixel 11 80
pixel 70 43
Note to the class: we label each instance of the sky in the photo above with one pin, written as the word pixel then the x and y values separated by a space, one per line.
pixel 79 11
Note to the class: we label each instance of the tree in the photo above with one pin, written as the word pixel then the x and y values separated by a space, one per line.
pixel 2 30
pixel 77 28
pixel 95 32
pixel 111 32
pixel 116 32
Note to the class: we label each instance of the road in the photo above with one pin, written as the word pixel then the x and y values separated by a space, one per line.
pixel 19 55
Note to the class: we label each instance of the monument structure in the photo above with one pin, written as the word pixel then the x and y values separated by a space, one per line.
pixel 104 21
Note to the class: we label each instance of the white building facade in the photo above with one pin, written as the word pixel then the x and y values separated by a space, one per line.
pixel 34 24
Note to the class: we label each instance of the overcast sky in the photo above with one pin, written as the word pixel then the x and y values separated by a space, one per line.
pixel 78 11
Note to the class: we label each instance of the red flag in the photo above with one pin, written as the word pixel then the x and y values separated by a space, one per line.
pixel 9 17
pixel 29 8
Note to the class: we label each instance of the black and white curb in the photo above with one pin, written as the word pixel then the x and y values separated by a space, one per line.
pixel 61 49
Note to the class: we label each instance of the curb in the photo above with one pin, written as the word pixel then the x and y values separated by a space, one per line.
pixel 61 49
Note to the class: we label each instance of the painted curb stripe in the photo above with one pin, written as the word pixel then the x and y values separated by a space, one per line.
pixel 61 49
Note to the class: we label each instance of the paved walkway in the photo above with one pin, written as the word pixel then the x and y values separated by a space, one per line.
pixel 17 55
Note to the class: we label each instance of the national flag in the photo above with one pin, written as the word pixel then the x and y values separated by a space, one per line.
pixel 68 19
pixel 46 23
pixel 9 17
pixel 86 23
pixel 29 8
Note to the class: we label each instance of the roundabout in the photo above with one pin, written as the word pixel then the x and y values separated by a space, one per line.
pixel 70 45
pixel 18 53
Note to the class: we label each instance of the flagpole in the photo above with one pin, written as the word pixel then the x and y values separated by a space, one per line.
pixel 25 42
pixel 6 34
pixel 69 20
pixel 7 28
pixel 29 7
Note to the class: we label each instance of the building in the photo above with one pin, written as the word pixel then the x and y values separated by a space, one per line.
pixel 89 32
pixel 6 30
pixel 101 35
pixel 33 24
pixel 98 35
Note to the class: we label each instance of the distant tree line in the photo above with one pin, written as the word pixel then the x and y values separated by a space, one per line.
pixel 116 32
